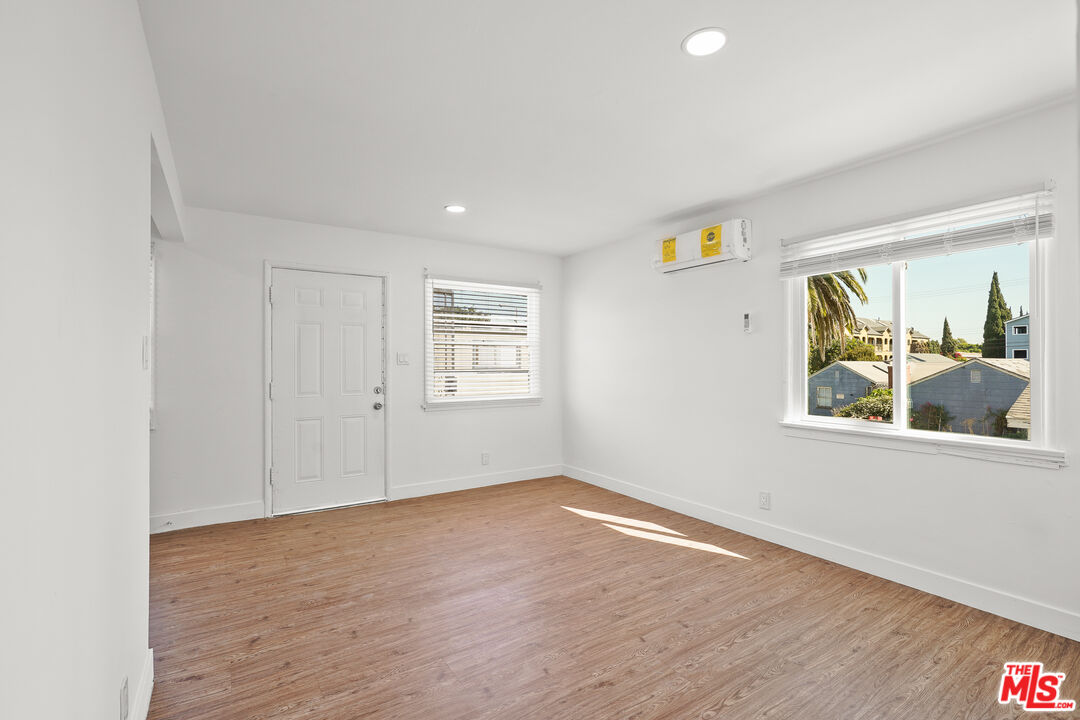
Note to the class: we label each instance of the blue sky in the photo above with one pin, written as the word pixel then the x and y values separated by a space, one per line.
pixel 952 285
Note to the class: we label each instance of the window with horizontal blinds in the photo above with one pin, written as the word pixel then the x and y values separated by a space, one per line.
pixel 1017 219
pixel 482 342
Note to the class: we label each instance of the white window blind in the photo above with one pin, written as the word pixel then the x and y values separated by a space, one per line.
pixel 1016 219
pixel 482 342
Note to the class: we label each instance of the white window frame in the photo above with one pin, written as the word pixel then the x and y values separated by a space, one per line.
pixel 151 340
pixel 535 397
pixel 817 399
pixel 798 422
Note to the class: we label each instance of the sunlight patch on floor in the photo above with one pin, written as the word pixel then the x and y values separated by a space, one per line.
pixel 644 525
pixel 680 541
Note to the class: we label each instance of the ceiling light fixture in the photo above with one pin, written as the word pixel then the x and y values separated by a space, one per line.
pixel 704 42
pixel 456 209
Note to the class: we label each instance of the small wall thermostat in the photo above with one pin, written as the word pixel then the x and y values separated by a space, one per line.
pixel 746 322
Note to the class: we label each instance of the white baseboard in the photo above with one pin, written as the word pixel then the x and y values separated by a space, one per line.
pixel 206 516
pixel 249 511
pixel 140 705
pixel 1024 610
pixel 468 482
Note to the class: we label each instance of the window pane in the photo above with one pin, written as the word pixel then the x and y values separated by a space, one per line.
pixel 972 375
pixel 849 344
pixel 482 341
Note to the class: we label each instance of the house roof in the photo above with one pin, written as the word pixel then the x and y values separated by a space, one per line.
pixel 874 327
pixel 877 371
pixel 880 327
pixel 932 358
pixel 919 370
pixel 1017 368
pixel 1019 415
pixel 1025 316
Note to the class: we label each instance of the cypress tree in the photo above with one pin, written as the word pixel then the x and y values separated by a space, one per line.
pixel 948 343
pixel 997 312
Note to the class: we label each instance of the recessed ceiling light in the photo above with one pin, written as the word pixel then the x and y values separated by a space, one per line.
pixel 456 209
pixel 704 42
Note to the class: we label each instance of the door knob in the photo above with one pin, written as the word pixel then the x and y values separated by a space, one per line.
pixel 377 406
pixel 378 390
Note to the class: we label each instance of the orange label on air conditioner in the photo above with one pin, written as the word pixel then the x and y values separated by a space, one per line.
pixel 710 241
pixel 667 250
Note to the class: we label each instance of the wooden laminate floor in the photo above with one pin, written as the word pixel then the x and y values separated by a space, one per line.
pixel 500 603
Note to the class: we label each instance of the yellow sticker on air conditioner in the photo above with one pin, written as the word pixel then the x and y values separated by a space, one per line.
pixel 710 241
pixel 667 253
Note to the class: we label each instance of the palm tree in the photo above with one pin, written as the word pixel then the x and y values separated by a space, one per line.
pixel 828 308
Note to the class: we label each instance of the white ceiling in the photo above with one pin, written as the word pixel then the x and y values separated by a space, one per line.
pixel 564 124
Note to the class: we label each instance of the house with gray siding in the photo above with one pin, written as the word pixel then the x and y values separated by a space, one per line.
pixel 845 381
pixel 972 392
pixel 842 383
pixel 1018 338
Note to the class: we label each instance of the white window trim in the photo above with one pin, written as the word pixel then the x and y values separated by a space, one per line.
pixel 798 423
pixel 432 405
pixel 151 340
pixel 924 441
pixel 477 403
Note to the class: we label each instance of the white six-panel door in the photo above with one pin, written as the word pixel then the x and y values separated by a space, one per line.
pixel 326 396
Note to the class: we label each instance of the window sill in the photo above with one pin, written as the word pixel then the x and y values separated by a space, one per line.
pixel 437 405
pixel 885 437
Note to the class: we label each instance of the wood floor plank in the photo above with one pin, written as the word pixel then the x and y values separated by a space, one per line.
pixel 501 603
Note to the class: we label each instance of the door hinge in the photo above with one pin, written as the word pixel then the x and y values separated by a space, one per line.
pixel 270 294
pixel 271 476
pixel 271 392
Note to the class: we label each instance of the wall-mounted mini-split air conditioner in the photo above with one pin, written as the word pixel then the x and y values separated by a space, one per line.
pixel 730 240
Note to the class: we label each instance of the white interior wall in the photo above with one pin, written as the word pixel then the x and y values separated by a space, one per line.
pixel 667 399
pixel 207 448
pixel 80 107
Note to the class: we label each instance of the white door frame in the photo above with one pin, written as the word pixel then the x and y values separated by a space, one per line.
pixel 268 419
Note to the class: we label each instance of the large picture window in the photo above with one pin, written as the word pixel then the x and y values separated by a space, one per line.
pixel 482 344
pixel 922 328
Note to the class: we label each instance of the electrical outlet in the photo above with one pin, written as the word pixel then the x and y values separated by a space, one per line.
pixel 764 500
pixel 124 699
pixel 485 458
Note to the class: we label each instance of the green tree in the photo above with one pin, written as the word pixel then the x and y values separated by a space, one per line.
pixel 829 314
pixel 964 346
pixel 948 344
pixel 997 312
pixel 925 346
pixel 878 404
pixel 931 417
pixel 853 350
pixel 858 350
